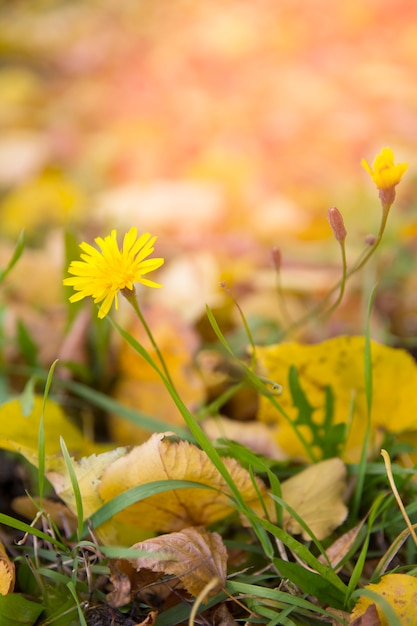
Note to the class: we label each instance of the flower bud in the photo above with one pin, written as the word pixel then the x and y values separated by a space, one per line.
pixel 276 258
pixel 370 240
pixel 337 223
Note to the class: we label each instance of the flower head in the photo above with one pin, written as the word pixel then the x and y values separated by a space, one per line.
pixel 385 174
pixel 102 275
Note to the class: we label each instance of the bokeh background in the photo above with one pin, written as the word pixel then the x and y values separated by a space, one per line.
pixel 225 128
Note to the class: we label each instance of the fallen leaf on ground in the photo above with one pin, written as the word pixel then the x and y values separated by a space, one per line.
pixel 339 363
pixel 256 436
pixel 337 551
pixel 399 591
pixel 221 616
pixel 145 586
pixel 163 457
pixel 7 572
pixel 316 494
pixel 20 432
pixel 88 471
pixel 369 618
pixel 194 555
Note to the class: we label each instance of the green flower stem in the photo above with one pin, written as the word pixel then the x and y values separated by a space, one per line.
pixel 361 262
pixel 130 296
pixel 340 285
pixel 342 281
pixel 199 435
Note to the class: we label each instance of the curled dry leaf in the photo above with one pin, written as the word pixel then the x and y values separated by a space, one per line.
pixel 7 572
pixel 165 458
pixel 194 555
pixel 316 494
pixel 143 585
pixel 337 551
pixel 121 594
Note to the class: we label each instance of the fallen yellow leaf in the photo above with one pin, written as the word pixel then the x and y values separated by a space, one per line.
pixel 7 572
pixel 166 458
pixel 20 432
pixel 316 494
pixel 399 591
pixel 88 471
pixel 254 435
pixel 339 363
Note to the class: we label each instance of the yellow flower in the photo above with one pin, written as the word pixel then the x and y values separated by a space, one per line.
pixel 102 275
pixel 385 174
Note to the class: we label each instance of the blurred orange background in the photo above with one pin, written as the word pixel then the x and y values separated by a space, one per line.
pixel 223 127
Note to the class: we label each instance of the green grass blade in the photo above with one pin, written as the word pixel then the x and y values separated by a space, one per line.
pixel 75 487
pixel 361 559
pixel 110 405
pixel 368 392
pixel 41 433
pixel 73 592
pixel 390 615
pixel 17 253
pixel 136 494
pixel 30 530
pixel 275 595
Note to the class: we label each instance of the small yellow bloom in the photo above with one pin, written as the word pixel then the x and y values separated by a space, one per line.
pixel 385 174
pixel 102 275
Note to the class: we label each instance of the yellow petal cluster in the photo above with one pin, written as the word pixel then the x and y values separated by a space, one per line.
pixel 102 274
pixel 385 173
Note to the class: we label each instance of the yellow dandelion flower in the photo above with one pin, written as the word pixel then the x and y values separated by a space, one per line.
pixel 102 274
pixel 385 174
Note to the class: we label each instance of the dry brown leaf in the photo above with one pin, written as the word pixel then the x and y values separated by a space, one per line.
pixel 221 616
pixel 166 458
pixel 7 572
pixel 339 548
pixel 122 592
pixel 144 585
pixel 316 494
pixel 194 555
